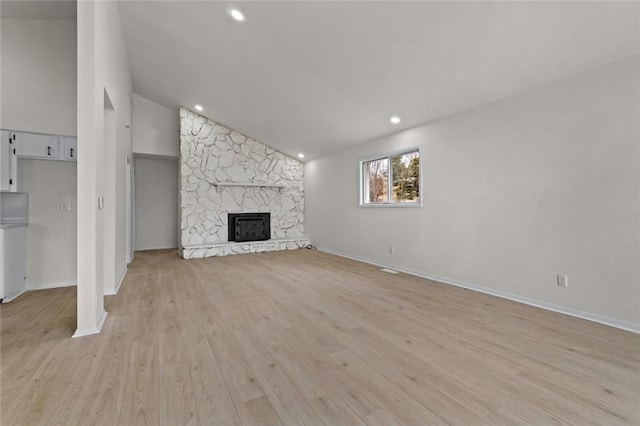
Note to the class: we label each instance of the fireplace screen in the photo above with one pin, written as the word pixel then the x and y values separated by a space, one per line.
pixel 249 226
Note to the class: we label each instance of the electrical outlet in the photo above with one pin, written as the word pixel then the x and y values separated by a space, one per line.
pixel 392 250
pixel 563 281
pixel 59 206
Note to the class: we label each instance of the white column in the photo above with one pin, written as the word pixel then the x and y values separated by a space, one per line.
pixel 90 301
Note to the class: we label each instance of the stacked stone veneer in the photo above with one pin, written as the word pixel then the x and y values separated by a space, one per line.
pixel 212 155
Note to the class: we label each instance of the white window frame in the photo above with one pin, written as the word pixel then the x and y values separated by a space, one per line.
pixel 390 203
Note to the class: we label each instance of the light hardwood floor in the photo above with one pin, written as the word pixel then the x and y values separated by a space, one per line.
pixel 304 337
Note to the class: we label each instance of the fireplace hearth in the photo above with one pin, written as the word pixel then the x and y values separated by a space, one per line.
pixel 249 226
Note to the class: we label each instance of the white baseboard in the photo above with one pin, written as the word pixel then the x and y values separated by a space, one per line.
pixel 15 296
pixel 613 322
pixel 80 332
pixel 109 293
pixel 121 280
pixel 51 285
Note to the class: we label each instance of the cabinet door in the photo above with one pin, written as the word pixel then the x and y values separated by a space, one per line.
pixel 8 161
pixel 37 146
pixel 13 262
pixel 70 148
pixel 5 160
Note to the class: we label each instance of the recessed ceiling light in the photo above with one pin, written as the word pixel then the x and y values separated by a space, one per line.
pixel 237 15
pixel 395 119
pixel 198 108
pixel 301 155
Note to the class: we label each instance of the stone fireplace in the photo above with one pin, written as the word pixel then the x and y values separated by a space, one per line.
pixel 224 173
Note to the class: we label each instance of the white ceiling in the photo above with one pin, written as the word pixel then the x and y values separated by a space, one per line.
pixel 315 77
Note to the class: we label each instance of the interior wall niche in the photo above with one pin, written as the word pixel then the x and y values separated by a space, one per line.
pixel 222 172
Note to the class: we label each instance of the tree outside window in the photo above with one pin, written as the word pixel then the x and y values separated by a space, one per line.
pixel 391 180
pixel 406 174
pixel 377 176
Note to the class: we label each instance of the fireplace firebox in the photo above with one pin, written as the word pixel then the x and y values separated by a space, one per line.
pixel 249 226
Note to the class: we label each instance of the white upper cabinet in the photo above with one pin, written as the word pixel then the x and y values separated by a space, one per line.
pixel 18 145
pixel 9 167
pixel 69 148
pixel 45 147
pixel 33 145
pixel 5 160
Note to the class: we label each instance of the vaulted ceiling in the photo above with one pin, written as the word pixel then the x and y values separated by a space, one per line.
pixel 315 77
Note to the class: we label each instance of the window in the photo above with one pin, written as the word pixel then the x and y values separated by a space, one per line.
pixel 392 180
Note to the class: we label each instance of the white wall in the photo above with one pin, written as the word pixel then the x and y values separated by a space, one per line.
pixel 155 128
pixel 38 82
pixel 51 234
pixel 156 203
pixel 543 183
pixel 156 138
pixel 103 70
pixel 39 75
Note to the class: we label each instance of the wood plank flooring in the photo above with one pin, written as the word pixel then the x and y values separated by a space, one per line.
pixel 304 337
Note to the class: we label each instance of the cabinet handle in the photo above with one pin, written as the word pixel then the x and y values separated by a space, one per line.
pixel 49 151
pixel 71 152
